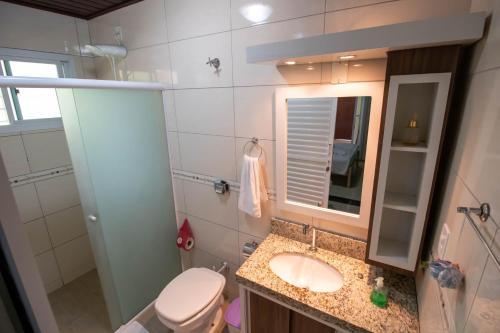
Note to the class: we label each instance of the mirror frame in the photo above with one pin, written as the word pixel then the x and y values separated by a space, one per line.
pixel 375 90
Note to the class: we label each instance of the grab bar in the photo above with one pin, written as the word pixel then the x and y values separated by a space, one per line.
pixel 484 213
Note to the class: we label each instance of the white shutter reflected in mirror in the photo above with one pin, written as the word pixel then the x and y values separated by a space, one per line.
pixel 311 124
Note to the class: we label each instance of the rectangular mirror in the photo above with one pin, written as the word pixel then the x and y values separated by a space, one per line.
pixel 326 144
pixel 326 151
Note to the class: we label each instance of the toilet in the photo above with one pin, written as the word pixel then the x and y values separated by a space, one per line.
pixel 192 302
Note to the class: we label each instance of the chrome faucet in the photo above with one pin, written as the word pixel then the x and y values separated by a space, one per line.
pixel 305 228
pixel 313 243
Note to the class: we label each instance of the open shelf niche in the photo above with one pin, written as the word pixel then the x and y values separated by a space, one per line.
pixel 407 167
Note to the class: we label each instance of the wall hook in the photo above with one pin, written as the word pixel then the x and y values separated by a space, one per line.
pixel 215 62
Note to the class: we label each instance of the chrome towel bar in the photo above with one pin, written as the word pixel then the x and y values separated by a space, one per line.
pixel 483 212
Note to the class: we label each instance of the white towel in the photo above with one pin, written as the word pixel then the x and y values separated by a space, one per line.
pixel 252 187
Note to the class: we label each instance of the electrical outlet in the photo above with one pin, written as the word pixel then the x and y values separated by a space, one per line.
pixel 443 240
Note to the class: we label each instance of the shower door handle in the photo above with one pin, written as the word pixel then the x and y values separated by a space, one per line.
pixel 92 218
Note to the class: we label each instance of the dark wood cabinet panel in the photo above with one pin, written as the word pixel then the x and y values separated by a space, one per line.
pixel 267 316
pixel 302 324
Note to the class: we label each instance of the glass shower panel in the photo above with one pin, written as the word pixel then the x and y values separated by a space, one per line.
pixel 118 145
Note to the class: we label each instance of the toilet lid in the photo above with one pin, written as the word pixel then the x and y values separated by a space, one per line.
pixel 189 293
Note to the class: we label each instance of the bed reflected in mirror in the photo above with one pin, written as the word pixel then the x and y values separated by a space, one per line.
pixel 349 148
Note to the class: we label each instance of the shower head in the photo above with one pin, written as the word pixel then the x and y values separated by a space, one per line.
pixel 101 50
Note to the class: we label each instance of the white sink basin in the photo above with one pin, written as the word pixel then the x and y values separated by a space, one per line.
pixel 306 272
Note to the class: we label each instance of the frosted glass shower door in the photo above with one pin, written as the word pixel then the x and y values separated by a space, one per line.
pixel 118 145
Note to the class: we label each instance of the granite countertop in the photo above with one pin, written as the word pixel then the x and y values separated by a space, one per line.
pixel 348 308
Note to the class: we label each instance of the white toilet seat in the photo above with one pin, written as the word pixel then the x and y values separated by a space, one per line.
pixel 191 300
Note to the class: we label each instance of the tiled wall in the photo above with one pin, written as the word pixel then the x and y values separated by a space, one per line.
pixel 49 208
pixel 31 29
pixel 213 115
pixel 473 178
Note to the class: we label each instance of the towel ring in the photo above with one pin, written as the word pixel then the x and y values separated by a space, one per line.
pixel 254 142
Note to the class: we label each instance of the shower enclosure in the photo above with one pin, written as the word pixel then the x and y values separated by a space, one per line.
pixel 116 133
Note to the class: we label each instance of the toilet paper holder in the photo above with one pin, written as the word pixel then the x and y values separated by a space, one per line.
pixel 249 248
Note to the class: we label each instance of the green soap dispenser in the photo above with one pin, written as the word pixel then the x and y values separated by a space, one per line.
pixel 379 293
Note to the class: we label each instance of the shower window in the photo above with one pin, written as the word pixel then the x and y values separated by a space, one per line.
pixel 31 108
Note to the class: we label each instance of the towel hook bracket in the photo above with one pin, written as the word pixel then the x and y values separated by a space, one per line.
pixel 255 143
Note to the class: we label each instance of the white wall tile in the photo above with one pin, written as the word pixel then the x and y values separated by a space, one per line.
pixel 143 24
pixel 47 266
pixel 38 236
pixel 148 64
pixel 173 149
pixel 485 312
pixel 215 239
pixel 27 202
pixel 245 13
pixel 245 238
pixel 257 227
pixel 203 202
pixel 189 57
pixel 169 104
pixel 262 74
pixel 85 68
pixel 477 155
pixel 191 18
pixel 392 12
pixel 430 311
pixel 254 112
pixel 208 155
pixel 13 155
pixel 75 258
pixel 40 30
pixel 66 225
pixel 58 193
pixel 180 203
pixel 46 150
pixel 266 159
pixel 82 30
pixel 205 111
pixel 332 5
pixel 472 260
pixel 487 49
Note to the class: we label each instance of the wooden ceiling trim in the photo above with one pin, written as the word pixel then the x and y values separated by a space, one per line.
pixel 45 8
pixel 84 9
pixel 113 8
pixel 62 5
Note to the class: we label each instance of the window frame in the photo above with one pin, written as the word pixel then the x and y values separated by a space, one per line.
pixel 65 68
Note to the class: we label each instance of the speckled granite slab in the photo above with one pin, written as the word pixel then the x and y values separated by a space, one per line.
pixel 349 308
pixel 347 246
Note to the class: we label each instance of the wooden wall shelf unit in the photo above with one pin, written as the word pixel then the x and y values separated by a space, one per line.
pixel 419 85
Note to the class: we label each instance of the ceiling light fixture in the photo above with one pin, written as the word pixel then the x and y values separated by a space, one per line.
pixel 290 62
pixel 347 57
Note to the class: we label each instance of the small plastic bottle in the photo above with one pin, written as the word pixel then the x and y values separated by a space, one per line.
pixel 379 293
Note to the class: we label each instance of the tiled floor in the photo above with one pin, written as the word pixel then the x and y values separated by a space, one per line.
pixel 79 306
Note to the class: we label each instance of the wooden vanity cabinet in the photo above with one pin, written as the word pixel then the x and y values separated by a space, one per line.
pixel 267 316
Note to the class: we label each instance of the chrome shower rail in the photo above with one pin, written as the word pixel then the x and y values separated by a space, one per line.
pixel 483 212
pixel 36 82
